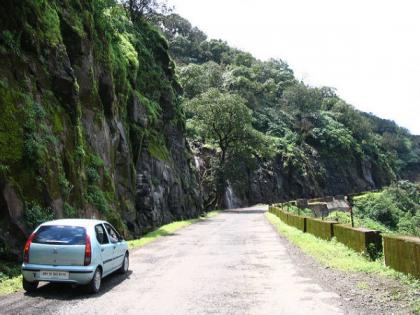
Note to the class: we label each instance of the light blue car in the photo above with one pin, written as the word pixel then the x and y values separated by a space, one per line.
pixel 75 251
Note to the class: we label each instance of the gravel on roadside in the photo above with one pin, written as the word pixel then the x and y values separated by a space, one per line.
pixel 361 293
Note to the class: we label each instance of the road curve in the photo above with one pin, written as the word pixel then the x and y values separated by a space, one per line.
pixel 233 263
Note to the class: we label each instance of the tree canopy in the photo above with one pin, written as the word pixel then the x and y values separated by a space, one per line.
pixel 309 128
pixel 223 121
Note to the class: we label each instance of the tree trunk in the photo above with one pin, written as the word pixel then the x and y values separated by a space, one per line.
pixel 221 180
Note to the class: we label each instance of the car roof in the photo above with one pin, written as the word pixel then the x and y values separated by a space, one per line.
pixel 75 222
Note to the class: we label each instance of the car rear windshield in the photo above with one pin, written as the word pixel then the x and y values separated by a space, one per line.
pixel 60 235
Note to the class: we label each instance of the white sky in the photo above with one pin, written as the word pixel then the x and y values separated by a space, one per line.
pixel 369 50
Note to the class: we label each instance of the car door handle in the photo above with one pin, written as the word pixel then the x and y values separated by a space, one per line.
pixel 115 246
pixel 102 249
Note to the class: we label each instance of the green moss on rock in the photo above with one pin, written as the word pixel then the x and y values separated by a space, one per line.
pixel 49 22
pixel 11 128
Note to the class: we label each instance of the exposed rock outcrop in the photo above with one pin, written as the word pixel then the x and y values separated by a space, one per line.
pixel 89 121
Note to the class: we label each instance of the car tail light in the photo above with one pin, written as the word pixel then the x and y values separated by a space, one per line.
pixel 27 247
pixel 88 251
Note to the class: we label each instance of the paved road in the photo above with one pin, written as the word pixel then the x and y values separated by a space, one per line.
pixel 234 263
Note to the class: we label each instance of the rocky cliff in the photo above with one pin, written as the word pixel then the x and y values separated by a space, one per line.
pixel 302 141
pixel 271 181
pixel 90 123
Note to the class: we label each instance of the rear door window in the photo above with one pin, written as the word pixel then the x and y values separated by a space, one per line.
pixel 100 234
pixel 113 235
pixel 60 235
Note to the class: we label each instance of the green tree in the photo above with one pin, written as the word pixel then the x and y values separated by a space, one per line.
pixel 196 79
pixel 224 121
pixel 145 8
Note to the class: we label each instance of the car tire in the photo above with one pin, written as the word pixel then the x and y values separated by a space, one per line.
pixel 29 286
pixel 95 284
pixel 124 266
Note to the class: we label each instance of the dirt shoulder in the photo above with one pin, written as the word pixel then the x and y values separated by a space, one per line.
pixel 360 292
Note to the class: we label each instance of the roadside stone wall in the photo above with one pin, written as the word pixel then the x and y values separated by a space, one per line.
pixel 401 253
pixel 320 228
pixel 360 239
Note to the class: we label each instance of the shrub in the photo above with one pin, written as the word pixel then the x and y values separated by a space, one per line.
pixel 379 207
pixel 79 153
pixel 303 212
pixel 69 211
pixel 35 214
pixel 96 197
pixel 35 143
pixel 65 186
pixel 95 161
pixel 4 169
pixel 8 270
pixel 11 42
pixel 344 218
pixel 92 175
pixel 396 208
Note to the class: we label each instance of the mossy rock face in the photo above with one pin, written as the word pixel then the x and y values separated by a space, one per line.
pixel 402 253
pixel 360 239
pixel 11 128
pixel 89 112
pixel 319 228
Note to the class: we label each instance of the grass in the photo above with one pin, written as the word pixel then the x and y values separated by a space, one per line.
pixel 336 255
pixel 374 193
pixel 167 229
pixel 344 218
pixel 10 274
pixel 10 285
pixel 10 278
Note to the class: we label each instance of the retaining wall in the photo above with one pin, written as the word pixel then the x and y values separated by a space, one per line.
pixel 402 253
pixel 320 228
pixel 296 221
pixel 360 239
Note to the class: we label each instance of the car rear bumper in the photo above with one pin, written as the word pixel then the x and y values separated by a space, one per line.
pixel 77 274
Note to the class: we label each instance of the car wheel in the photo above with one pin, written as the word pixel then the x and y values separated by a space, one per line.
pixel 95 284
pixel 29 286
pixel 124 266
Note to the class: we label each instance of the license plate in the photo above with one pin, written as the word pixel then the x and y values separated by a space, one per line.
pixel 54 275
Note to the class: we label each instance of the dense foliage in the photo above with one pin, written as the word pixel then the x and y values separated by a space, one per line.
pixel 396 207
pixel 78 71
pixel 114 60
pixel 309 128
pixel 223 121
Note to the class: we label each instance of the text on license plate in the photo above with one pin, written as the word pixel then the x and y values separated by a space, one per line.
pixel 55 275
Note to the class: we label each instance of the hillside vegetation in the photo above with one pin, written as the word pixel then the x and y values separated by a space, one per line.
pixel 397 208
pixel 90 120
pixel 306 136
pixel 124 111
pixel 394 209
